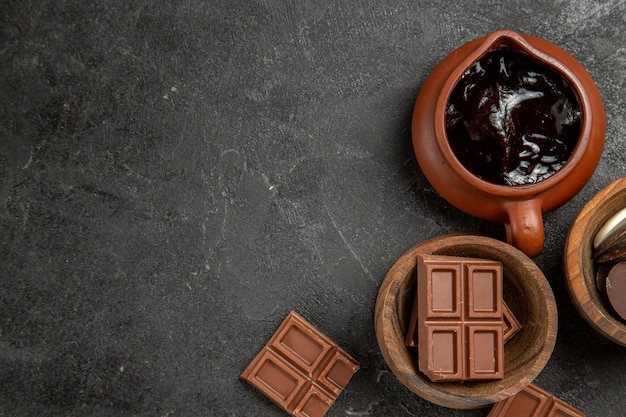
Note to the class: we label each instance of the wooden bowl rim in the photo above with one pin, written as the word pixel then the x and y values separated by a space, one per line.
pixel 385 316
pixel 578 286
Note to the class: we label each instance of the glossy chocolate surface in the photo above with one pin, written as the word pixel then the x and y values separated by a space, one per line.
pixel 300 369
pixel 511 120
pixel 459 321
pixel 520 208
pixel 534 402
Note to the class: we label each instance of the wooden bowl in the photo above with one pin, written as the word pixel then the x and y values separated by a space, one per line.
pixel 527 293
pixel 579 267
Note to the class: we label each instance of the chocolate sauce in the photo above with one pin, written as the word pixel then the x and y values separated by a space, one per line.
pixel 511 120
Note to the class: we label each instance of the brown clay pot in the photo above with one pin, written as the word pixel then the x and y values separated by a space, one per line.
pixel 519 207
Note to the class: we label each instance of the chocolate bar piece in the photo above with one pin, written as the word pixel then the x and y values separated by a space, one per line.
pixel 616 288
pixel 602 271
pixel 511 325
pixel 460 325
pixel 533 401
pixel 617 254
pixel 300 369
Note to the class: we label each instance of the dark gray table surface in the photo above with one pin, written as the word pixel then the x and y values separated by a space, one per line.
pixel 176 176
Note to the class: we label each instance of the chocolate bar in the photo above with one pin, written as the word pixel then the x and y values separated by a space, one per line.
pixel 460 324
pixel 511 324
pixel 301 369
pixel 533 401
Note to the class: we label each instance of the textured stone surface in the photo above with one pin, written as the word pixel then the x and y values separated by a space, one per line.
pixel 176 176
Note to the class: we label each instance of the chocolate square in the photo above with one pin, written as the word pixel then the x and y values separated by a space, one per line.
pixel 533 401
pixel 301 369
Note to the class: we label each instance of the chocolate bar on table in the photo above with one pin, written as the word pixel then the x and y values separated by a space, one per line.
pixel 301 369
pixel 533 401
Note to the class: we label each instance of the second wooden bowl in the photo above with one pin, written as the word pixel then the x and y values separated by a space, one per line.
pixel 526 292
pixel 579 267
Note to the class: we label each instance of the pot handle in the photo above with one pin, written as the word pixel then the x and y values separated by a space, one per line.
pixel 524 228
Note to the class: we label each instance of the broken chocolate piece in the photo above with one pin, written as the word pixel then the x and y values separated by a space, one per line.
pixel 460 326
pixel 613 255
pixel 511 325
pixel 300 369
pixel 533 401
pixel 601 274
pixel 616 289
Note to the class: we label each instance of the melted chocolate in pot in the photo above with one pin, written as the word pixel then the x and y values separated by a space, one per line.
pixel 511 120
